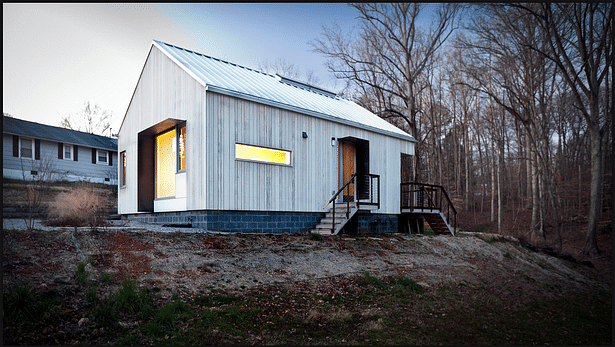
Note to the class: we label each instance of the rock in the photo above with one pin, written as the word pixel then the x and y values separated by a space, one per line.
pixel 83 321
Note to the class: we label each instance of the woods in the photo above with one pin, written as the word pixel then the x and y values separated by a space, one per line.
pixel 511 105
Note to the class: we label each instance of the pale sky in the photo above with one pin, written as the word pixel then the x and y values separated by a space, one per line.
pixel 58 56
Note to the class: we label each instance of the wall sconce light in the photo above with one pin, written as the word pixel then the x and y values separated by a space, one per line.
pixel 333 141
pixel 304 135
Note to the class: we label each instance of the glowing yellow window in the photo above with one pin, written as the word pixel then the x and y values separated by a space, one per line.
pixel 165 164
pixel 262 154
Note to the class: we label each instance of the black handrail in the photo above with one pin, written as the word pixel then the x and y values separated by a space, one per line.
pixel 413 197
pixel 346 186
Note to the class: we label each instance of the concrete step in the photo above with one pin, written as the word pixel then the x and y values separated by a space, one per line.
pixel 329 220
pixel 321 232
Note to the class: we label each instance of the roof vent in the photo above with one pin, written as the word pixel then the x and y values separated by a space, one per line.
pixel 305 86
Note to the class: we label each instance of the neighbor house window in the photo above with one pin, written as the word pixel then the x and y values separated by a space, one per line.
pixel 165 164
pixel 25 148
pixel 68 152
pixel 262 154
pixel 102 157
pixel 123 169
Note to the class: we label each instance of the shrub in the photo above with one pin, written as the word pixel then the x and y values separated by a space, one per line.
pixel 104 314
pixel 82 274
pixel 19 302
pixel 80 206
pixel 403 283
pixel 126 299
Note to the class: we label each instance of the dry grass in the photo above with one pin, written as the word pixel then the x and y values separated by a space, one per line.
pixel 82 205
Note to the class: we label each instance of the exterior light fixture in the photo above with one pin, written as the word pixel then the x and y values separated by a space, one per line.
pixel 304 135
pixel 333 141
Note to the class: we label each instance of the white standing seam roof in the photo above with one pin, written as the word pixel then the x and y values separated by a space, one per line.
pixel 231 79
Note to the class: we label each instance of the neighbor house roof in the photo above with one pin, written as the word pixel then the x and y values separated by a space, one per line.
pixel 231 79
pixel 25 128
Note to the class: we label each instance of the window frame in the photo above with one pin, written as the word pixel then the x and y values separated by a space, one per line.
pixel 72 152
pixel 122 167
pixel 178 167
pixel 98 151
pixel 264 161
pixel 32 154
pixel 156 159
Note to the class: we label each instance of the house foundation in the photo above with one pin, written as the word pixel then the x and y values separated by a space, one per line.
pixel 235 221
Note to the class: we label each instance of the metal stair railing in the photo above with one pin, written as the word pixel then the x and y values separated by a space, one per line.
pixel 374 196
pixel 428 196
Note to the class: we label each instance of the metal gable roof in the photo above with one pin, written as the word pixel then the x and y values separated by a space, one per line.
pixel 231 79
pixel 25 128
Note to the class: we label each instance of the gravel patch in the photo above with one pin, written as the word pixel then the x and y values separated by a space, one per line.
pixel 193 260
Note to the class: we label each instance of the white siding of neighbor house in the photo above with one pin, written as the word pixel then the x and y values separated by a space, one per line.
pixel 62 169
pixel 216 122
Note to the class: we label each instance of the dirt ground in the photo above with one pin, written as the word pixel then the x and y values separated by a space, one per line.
pixel 188 263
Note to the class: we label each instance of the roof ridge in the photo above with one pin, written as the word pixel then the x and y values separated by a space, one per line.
pixel 215 58
pixel 57 127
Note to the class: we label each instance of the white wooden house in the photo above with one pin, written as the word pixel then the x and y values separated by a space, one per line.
pixel 225 147
pixel 38 151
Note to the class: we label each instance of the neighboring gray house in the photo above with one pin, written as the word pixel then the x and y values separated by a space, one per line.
pixel 225 147
pixel 33 149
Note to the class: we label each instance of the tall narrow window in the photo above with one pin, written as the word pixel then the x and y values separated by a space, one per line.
pixel 25 148
pixel 123 169
pixel 182 148
pixel 165 164
pixel 262 154
pixel 68 152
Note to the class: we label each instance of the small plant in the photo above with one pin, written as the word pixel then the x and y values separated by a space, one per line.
pixel 369 279
pixel 126 299
pixel 427 230
pixel 82 274
pixel 105 277
pixel 316 237
pixel 152 329
pixel 19 303
pixel 90 295
pixel 104 314
pixel 507 255
pixel 403 283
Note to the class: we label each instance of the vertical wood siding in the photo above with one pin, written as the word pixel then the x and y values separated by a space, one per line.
pixel 164 91
pixel 304 186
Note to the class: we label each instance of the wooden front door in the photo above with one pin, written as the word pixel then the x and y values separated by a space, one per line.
pixel 348 156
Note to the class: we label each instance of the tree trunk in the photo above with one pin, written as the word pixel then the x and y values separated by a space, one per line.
pixel 492 180
pixel 591 242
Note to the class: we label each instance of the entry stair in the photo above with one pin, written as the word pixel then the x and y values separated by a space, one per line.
pixel 360 192
pixel 430 202
pixel 325 227
pixel 437 221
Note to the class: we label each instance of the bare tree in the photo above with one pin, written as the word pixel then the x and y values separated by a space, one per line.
pixel 92 120
pixel 520 80
pixel 580 44
pixel 42 172
pixel 388 56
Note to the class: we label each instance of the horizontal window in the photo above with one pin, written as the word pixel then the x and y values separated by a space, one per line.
pixel 262 154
